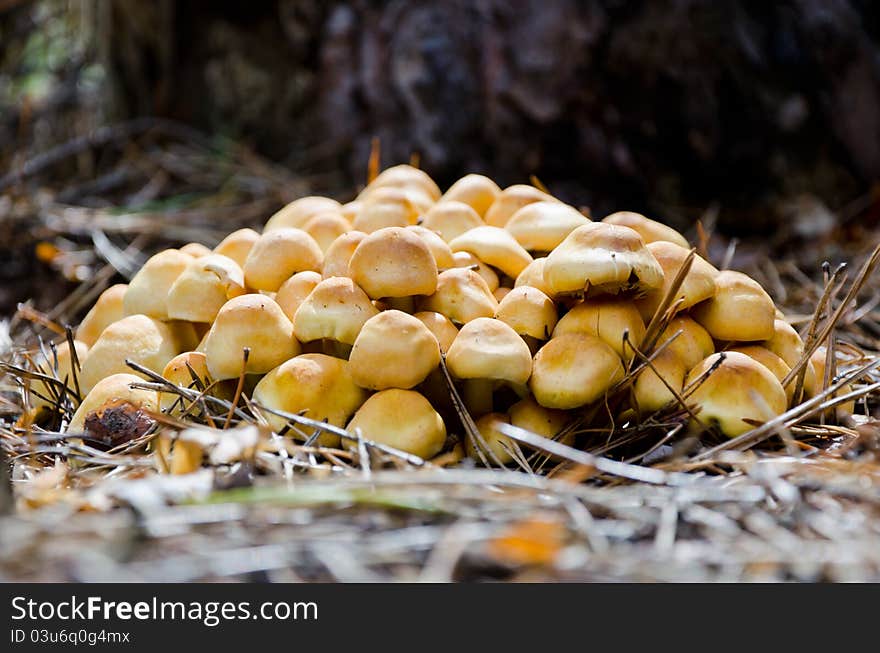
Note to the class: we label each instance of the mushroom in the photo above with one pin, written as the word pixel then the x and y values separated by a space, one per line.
pixel 451 219
pixel 737 389
pixel 106 310
pixel 326 227
pixel 461 295
pixel 541 226
pixel 257 323
pixel 318 387
pixel 500 293
pixel 278 255
pixel 691 344
pixel 114 412
pixel 350 209
pixel 477 191
pixel 741 309
pixel 486 353
pixel 650 230
pixel 338 255
pixel 651 390
pixel 394 264
pixel 195 250
pixel 334 313
pixel 294 291
pixel 386 207
pixel 500 446
pixel 530 313
pixel 528 414
pixel 179 371
pixel 443 256
pixel 141 339
pixel 511 200
pixel 203 287
pixel 402 419
pixel 607 318
pixel 771 361
pixel 298 212
pixel 148 290
pixel 406 177
pixel 698 284
pixel 468 260
pixel 533 275
pixel 493 246
pixel 574 369
pixel 440 325
pixel 818 365
pixel 237 245
pixel 603 258
pixel 393 350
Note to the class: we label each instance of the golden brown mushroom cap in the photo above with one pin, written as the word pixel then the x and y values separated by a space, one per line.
pixel 297 213
pixel 278 255
pixel 440 325
pixel 606 318
pixel 533 275
pixel 468 260
pixel 113 390
pixel 814 383
pixel 529 312
pixel 203 287
pixel 650 230
pixel 402 419
pixel 386 207
pixel 690 346
pixel 604 258
pixel 494 246
pixel 439 249
pixel 462 295
pixel 177 371
pixel 335 310
pixel 738 389
pixel 477 191
pixel 740 310
pixel 326 227
pixel 393 262
pixel 406 177
pixel 107 310
pixel 294 291
pixel 769 360
pixel 451 219
pixel 237 245
pixel 541 226
pixel 650 391
pixel 195 250
pixel 528 414
pixel 499 444
pixel 339 254
pixel 785 342
pixel 148 290
pixel 511 200
pixel 698 285
pixel 486 348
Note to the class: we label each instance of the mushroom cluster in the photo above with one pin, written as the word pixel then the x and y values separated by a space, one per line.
pixel 344 313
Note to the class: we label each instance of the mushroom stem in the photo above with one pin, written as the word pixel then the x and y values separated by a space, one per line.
pixel 478 396
pixel 405 304
pixel 335 348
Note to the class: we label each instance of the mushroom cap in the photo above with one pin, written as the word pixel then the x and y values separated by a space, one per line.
pixel 440 325
pixel 573 370
pixel 177 372
pixel 335 310
pixel 59 366
pixel 541 226
pixel 297 213
pixel 319 387
pixel 294 291
pixel 501 292
pixel 603 257
pixel 511 200
pixel 253 321
pixel 237 245
pixel 402 419
pixel 142 339
pixel 650 230
pixel 350 209
pixel 404 176
pixel 439 249
pixel 326 227
pixel 106 310
pixel 769 360
pixel 477 191
pixel 451 219
pixel 698 285
pixel 148 290
pixel 649 390
pixel 486 348
pixel 386 207
pixel 533 275
pixel 203 287
pixel 393 262
pixel 468 260
pixel 195 250
pixel 816 370
pixel 741 309
pixel 338 255
pixel 493 246
pixel 393 350
pixel 529 312
pixel 499 444
pixel 606 318
pixel 690 346
pixel 462 295
pixel 785 342
pixel 112 390
pixel 739 389
pixel 278 255
pixel 528 414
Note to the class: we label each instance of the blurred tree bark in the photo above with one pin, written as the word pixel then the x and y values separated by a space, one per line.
pixel 665 106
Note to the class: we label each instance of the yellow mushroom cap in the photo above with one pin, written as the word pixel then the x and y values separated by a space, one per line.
pixel 318 386
pixel 195 250
pixel 468 260
pixel 698 285
pixel 528 311
pixel 477 191
pixel 451 219
pixel 278 255
pixel 739 389
pixel 573 370
pixel 606 318
pixel 107 310
pixel 252 321
pixel 177 371
pixel 393 262
pixel 785 342
pixel 113 390
pixel 533 275
pixel 203 287
pixel 528 414
pixel 148 290
pixel 511 200
pixel 650 230
pixel 499 444
pixel 487 348
pixel 814 383
pixel 386 207
pixel 501 292
pixel 541 226
pixel 690 346
pixel 335 310
pixel 462 295
pixel 297 213
pixel 494 246
pixel 406 177
pixel 439 249
pixel 393 350
pixel 59 366
pixel 139 338
pixel 339 254
pixel 440 325
pixel 769 360
pixel 350 209
pixel 326 227
pixel 402 419
pixel 649 390
pixel 294 291
pixel 603 257
pixel 237 245
pixel 740 310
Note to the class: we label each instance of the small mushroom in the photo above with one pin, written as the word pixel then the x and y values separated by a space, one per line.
pixel 740 310
pixel 147 292
pixel 326 227
pixel 530 313
pixel 386 207
pixel 541 226
pixel 818 363
pixel 651 390
pixel 461 295
pixel 691 344
pixel 451 219
pixel 511 200
pixel 237 245
pixel 650 230
pixel 494 246
pixel 106 310
pixel 440 325
pixel 339 254
pixel 533 275
pixel 698 284
pixel 402 419
pixel 334 313
pixel 467 260
pixel 298 212
pixel 196 250
pixel 477 191
pixel 294 291
pixel 179 371
pixel 406 177
pixel 607 318
pixel 113 412
pixel 278 255
pixel 203 287
pixel 439 249
pixel 769 360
